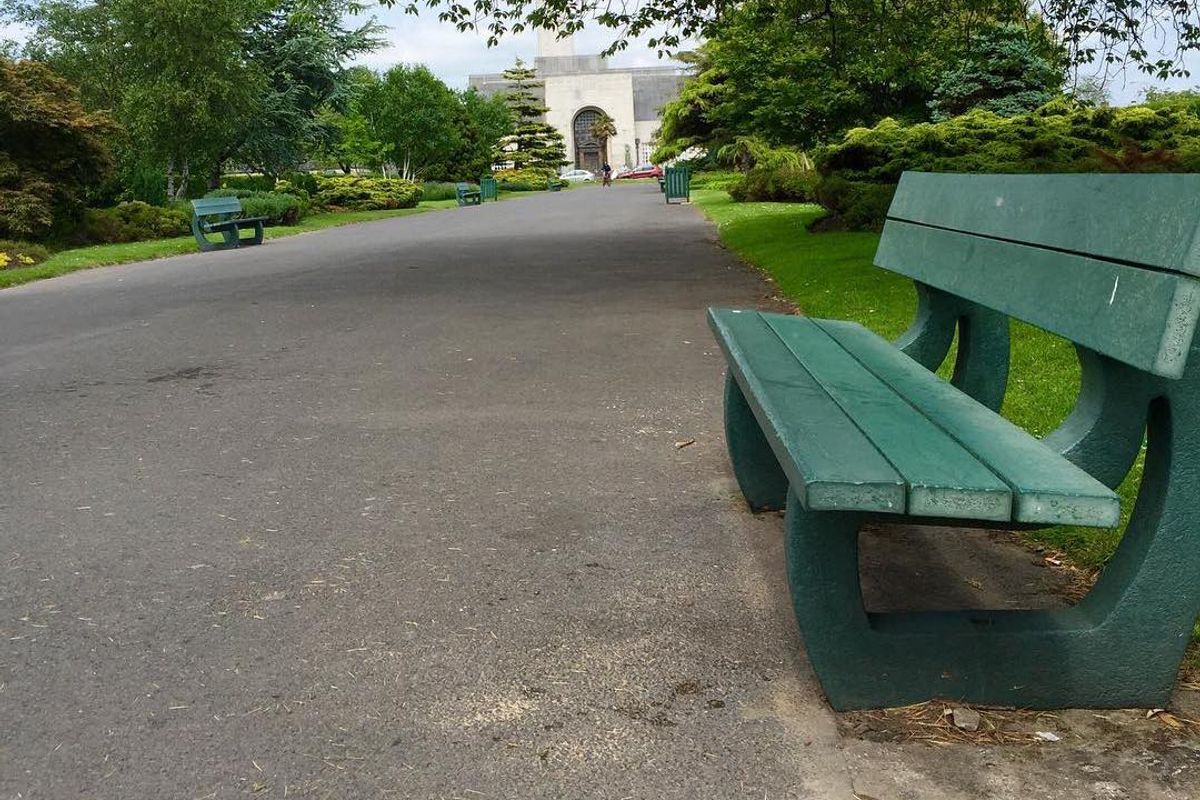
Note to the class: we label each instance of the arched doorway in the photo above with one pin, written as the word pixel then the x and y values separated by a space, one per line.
pixel 589 150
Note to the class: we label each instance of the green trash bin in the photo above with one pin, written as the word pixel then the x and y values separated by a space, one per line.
pixel 677 184
pixel 487 189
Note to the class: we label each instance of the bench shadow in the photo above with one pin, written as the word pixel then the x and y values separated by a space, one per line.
pixel 927 568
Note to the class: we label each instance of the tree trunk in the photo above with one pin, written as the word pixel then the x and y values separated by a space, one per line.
pixel 171 179
pixel 214 177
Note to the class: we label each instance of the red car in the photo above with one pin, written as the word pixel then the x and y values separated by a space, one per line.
pixel 642 171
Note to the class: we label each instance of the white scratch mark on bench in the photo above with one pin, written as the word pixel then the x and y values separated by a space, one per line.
pixel 1113 296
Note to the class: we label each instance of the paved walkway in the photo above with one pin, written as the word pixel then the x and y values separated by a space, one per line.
pixel 396 510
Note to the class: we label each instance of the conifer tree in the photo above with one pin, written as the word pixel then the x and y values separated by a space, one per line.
pixel 533 144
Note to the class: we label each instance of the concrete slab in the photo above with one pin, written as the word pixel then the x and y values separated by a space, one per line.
pixel 396 510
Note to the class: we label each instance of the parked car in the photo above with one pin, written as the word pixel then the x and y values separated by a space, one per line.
pixel 578 175
pixel 642 171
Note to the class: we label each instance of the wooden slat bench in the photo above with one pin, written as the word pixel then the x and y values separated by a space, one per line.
pixel 842 428
pixel 466 196
pixel 222 215
pixel 555 184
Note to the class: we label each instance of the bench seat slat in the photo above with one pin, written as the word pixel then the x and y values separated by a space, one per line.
pixel 1141 317
pixel 838 467
pixel 1046 487
pixel 1138 219
pixel 943 479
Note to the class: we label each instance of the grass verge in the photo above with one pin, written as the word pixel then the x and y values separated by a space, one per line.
pixel 831 275
pixel 104 255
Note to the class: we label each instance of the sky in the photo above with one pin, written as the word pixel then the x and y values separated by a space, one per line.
pixel 453 55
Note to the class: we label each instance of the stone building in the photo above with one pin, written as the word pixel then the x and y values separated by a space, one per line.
pixel 578 88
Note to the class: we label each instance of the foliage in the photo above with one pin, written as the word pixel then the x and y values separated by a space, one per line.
pixel 1059 137
pixel 131 222
pixel 248 182
pixel 197 84
pixel 359 193
pixel 279 208
pixel 780 184
pixel 14 255
pixel 414 116
pixel 715 179
pixel 51 150
pixel 433 190
pixel 533 144
pixel 788 76
pixel 523 180
pixel 1109 30
pixel 1004 72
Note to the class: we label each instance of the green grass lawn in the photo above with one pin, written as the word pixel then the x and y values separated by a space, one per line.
pixel 108 254
pixel 830 275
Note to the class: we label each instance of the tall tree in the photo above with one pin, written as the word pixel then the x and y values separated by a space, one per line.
pixel 1003 72
pixel 1109 30
pixel 415 115
pixel 533 144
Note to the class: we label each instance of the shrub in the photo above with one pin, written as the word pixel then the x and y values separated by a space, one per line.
pixel 1058 137
pixel 436 190
pixel 247 183
pixel 14 255
pixel 278 208
pixel 131 222
pixel 714 179
pixel 359 193
pixel 530 179
pixel 775 184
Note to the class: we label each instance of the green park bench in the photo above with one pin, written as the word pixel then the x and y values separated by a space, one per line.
pixel 222 215
pixel 555 184
pixel 677 184
pixel 488 190
pixel 843 428
pixel 466 196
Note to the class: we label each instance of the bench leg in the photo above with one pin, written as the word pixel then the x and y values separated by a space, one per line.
pixel 762 481
pixel 1120 647
pixel 256 238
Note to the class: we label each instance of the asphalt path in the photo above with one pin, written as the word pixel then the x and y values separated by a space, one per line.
pixel 404 509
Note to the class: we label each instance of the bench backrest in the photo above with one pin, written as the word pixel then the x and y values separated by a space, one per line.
pixel 210 206
pixel 462 187
pixel 1107 261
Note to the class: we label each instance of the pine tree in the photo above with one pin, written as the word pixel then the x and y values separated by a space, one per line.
pixel 533 144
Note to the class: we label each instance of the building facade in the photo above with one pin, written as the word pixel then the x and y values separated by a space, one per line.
pixel 578 89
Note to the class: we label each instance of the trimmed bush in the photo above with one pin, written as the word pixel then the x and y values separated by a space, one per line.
pixel 14 255
pixel 247 183
pixel 359 193
pixel 523 180
pixel 277 207
pixel 715 179
pixel 775 184
pixel 1058 137
pixel 131 222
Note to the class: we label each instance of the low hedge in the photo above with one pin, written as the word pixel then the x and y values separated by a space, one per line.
pixel 361 193
pixel 774 184
pixel 279 208
pixel 523 180
pixel 438 190
pixel 134 221
pixel 1059 137
pixel 14 255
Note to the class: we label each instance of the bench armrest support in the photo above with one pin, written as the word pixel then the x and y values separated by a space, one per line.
pixel 981 363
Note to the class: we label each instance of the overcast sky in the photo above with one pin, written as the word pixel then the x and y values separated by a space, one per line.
pixel 453 55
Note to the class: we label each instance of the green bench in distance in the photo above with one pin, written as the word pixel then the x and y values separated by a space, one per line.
pixel 843 428
pixel 677 184
pixel 466 196
pixel 488 190
pixel 223 215
pixel 555 184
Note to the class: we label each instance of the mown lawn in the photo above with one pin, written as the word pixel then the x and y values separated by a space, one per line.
pixel 831 275
pixel 105 255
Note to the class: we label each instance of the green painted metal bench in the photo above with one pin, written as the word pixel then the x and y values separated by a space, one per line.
pixel 488 190
pixel 842 428
pixel 466 196
pixel 222 215
pixel 555 184
pixel 677 184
